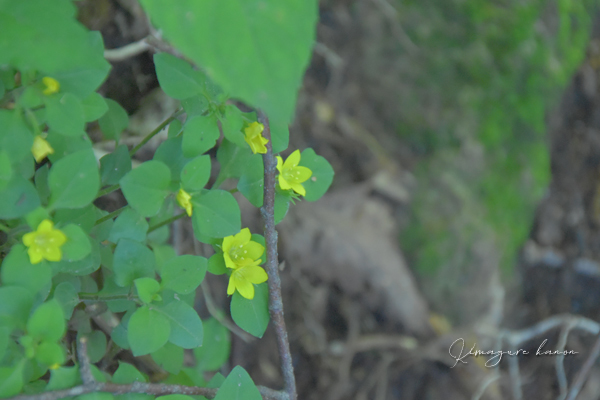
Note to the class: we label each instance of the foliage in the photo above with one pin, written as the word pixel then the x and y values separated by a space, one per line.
pixel 75 254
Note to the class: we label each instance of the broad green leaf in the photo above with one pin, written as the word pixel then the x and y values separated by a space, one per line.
pixel 84 217
pixel 183 274
pixel 233 160
pixel 18 198
pixel 115 165
pixel 78 243
pixel 175 128
pixel 216 214
pixel 6 170
pixel 132 260
pixel 163 253
pixel 4 339
pixel 65 114
pixel 15 304
pixel 96 396
pixel 49 353
pixel 11 380
pixel 63 378
pixel 127 373
pixel 170 153
pixel 251 183
pixel 280 135
pixel 176 77
pixel 74 180
pixel 148 330
pixel 130 225
pixel 65 145
pixel 196 173
pixel 186 326
pixel 96 344
pixel 35 217
pixel 147 288
pixel 41 182
pixel 66 295
pixel 252 315
pixel 322 174
pixel 232 126
pixel 85 266
pixel 17 270
pixel 15 137
pixel 215 348
pixel 264 47
pixel 94 107
pixel 47 322
pixel 169 357
pixel 120 334
pixel 146 187
pixel 195 105
pixel 238 386
pixel 114 121
pixel 200 134
pixel 175 397
pixel 282 205
pixel 216 264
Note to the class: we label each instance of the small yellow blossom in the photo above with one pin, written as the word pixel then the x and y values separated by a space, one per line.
pixel 291 175
pixel 254 137
pixel 51 84
pixel 54 366
pixel 183 199
pixel 243 278
pixel 41 148
pixel 240 250
pixel 44 243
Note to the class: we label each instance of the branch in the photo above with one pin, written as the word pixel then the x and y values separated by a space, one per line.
pixel 90 385
pixel 275 302
pixel 584 372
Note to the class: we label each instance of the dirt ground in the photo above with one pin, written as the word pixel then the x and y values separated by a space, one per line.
pixel 360 324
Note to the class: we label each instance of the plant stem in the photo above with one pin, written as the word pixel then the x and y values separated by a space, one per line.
pixel 155 131
pixel 166 222
pixel 107 190
pixel 110 215
pixel 275 301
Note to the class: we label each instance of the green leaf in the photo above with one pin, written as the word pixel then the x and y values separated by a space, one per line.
pixel 216 214
pixel 49 353
pixel 130 225
pixel 4 339
pixel 146 288
pixel 238 386
pixel 84 217
pixel 322 174
pixel 148 330
pixel 252 315
pixel 115 165
pixel 146 187
pixel 186 326
pixel 282 205
pixel 176 77
pixel 65 114
pixel 263 49
pixel 280 135
pixel 132 260
pixel 216 264
pixel 233 160
pixel 251 183
pixel 114 121
pixel 66 295
pixel 47 322
pixel 18 198
pixel 63 378
pixel 120 333
pixel 15 304
pixel 94 107
pixel 196 173
pixel 11 380
pixel 232 126
pixel 85 266
pixel 195 105
pixel 170 153
pixel 96 344
pixel 77 245
pixel 183 274
pixel 216 347
pixel 163 253
pixel 169 357
pixel 175 397
pixel 41 182
pixel 127 373
pixel 65 145
pixel 175 128
pixel 6 170
pixel 18 271
pixel 74 180
pixel 15 138
pixel 200 134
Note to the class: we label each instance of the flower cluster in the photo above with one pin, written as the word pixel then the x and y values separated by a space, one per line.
pixel 291 175
pixel 44 243
pixel 242 255
pixel 254 137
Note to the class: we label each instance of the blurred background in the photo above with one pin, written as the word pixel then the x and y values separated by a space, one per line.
pixel 465 137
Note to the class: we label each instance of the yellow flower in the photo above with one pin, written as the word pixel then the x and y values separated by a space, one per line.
pixel 183 199
pixel 254 137
pixel 291 175
pixel 54 366
pixel 243 278
pixel 44 243
pixel 51 84
pixel 240 251
pixel 41 148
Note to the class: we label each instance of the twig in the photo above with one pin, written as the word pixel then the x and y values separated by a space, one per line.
pixel 561 376
pixel 127 51
pixel 272 265
pixel 84 362
pixel 585 370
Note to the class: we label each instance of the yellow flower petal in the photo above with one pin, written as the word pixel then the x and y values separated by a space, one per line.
pixel 254 250
pixel 44 243
pixel 298 188
pixel 284 183
pixel 51 84
pixel 291 175
pixel 240 251
pixel 302 174
pixel 292 160
pixel 41 148
pixel 279 164
pixel 184 201
pixel 255 274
